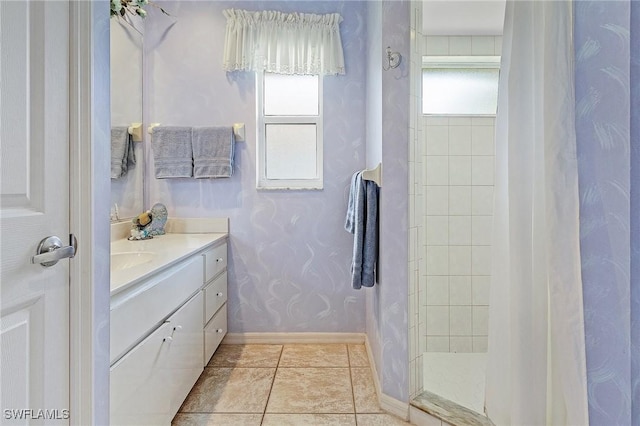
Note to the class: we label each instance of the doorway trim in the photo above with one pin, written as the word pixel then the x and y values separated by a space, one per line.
pixel 89 206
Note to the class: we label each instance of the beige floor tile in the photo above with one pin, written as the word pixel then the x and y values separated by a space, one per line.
pixel 364 391
pixel 379 420
pixel 314 355
pixel 214 419
pixel 246 356
pixel 311 390
pixel 230 390
pixel 309 420
pixel 358 356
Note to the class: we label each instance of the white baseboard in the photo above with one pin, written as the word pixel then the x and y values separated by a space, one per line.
pixel 387 403
pixel 284 338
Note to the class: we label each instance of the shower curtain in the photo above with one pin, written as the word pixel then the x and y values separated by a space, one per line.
pixel 536 373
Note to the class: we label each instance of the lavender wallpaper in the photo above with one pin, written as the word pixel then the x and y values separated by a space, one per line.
pixel 602 49
pixel 289 254
pixel 387 305
pixel 635 208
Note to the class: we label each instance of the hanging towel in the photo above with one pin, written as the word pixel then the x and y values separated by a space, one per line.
pixel 213 149
pixel 362 222
pixel 122 152
pixel 172 152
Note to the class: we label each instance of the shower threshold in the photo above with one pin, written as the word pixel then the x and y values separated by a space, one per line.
pixel 449 411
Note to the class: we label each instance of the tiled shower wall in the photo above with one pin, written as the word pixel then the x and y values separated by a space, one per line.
pixel 453 162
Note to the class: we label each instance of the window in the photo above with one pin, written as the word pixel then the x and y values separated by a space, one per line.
pixel 289 131
pixel 460 85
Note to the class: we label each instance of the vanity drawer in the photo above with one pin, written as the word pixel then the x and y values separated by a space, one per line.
pixel 135 314
pixel 214 333
pixel 215 294
pixel 215 261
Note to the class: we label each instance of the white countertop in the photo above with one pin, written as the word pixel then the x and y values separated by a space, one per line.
pixel 168 249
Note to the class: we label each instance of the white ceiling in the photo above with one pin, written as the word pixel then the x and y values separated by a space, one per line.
pixel 462 17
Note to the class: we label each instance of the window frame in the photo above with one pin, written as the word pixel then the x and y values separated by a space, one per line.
pixel 459 62
pixel 262 182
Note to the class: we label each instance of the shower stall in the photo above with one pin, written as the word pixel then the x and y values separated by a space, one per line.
pixel 451 188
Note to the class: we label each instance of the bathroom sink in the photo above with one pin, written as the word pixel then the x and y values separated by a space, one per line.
pixel 126 260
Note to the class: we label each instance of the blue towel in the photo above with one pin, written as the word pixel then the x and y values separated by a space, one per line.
pixel 362 222
pixel 122 152
pixel 172 152
pixel 212 152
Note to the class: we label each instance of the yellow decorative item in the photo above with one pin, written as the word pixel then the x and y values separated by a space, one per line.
pixel 144 219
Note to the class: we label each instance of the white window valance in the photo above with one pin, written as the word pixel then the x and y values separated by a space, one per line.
pixel 284 43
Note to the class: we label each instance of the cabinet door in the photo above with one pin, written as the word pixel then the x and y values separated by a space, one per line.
pixel 185 350
pixel 138 391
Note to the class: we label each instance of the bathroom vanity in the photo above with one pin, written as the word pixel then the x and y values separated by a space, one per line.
pixel 168 316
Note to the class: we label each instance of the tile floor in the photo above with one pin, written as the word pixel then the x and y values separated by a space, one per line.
pixel 280 385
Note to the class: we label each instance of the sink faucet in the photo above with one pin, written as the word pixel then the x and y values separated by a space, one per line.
pixel 114 215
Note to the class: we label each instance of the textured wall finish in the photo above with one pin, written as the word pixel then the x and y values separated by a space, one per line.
pixel 393 291
pixel 289 254
pixel 602 120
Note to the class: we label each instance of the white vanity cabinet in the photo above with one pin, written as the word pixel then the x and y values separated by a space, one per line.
pixel 161 336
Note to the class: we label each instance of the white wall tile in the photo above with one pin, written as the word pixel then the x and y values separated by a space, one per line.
pixel 459 140
pixel 461 344
pixel 459 260
pixel 483 121
pixel 437 45
pixel 480 285
pixel 480 320
pixel 482 170
pixel 460 200
pixel 459 230
pixel 482 200
pixel 460 121
pixel 480 344
pixel 481 256
pixel 437 231
pixel 437 321
pixel 482 140
pixel 434 120
pixel 460 170
pixel 437 170
pixel 437 343
pixel 437 260
pixel 460 45
pixel 482 45
pixel 437 200
pixel 460 290
pixel 461 320
pixel 481 230
pixel 437 290
pixel 437 140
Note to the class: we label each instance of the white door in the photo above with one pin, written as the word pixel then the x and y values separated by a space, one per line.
pixel 34 204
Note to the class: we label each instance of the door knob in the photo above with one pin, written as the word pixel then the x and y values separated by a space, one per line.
pixel 50 250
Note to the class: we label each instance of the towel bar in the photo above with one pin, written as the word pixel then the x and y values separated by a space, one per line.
pixel 135 130
pixel 374 174
pixel 238 131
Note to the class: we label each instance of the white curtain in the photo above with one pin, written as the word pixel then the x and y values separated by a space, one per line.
pixel 284 43
pixel 536 373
